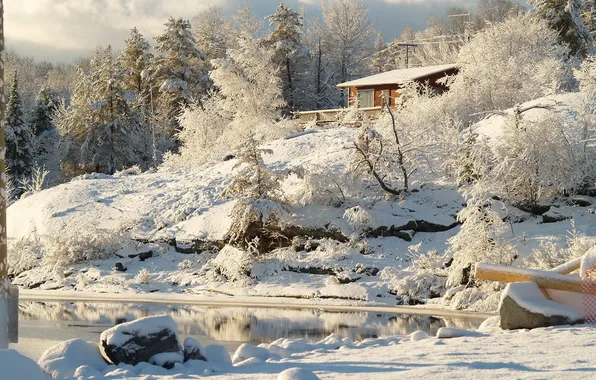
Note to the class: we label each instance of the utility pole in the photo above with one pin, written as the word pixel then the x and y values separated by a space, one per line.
pixel 407 46
pixel 4 285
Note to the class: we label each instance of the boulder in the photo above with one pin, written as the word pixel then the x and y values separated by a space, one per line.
pixel 554 215
pixel 193 350
pixel 140 340
pixel 297 374
pixel 523 306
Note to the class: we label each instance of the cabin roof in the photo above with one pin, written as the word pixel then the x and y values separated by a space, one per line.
pixel 398 76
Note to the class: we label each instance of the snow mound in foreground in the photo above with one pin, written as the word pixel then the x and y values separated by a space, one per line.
pixel 15 366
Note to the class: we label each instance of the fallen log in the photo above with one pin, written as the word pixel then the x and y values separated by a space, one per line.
pixel 544 279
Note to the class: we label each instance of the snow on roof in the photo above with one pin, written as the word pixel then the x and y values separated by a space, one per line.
pixel 397 76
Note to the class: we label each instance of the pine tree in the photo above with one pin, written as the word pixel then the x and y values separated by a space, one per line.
pixel 177 72
pixel 133 60
pixel 285 40
pixel 19 138
pixel 41 118
pixel 100 130
pixel 564 16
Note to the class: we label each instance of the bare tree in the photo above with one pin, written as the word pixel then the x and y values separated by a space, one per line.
pixel 348 34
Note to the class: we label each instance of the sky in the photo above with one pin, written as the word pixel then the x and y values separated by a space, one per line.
pixel 63 30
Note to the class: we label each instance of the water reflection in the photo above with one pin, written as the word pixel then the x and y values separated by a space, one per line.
pixel 235 324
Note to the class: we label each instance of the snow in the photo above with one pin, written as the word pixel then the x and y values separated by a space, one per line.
pixel 64 358
pixel 399 76
pixel 247 351
pixel 553 352
pixel 529 296
pixel 418 335
pixel 450 332
pixel 14 366
pixel 297 374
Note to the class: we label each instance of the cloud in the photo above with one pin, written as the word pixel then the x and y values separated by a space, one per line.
pixel 80 25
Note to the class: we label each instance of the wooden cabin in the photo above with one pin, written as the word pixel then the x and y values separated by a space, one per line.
pixel 375 90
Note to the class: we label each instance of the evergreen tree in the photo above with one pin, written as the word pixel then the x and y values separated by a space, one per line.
pixel 564 16
pixel 177 73
pixel 41 118
pixel 19 138
pixel 133 60
pixel 100 130
pixel 286 42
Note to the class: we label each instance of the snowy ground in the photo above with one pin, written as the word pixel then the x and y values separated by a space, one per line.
pixel 548 353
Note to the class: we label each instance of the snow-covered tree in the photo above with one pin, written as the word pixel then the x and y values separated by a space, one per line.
pixel 348 34
pixel 259 214
pixel 19 137
pixel 100 131
pixel 565 16
pixel 249 82
pixel 286 40
pixel 133 60
pixel 496 11
pixel 379 61
pixel 212 31
pixel 482 238
pixel 512 62
pixel 177 73
pixel 41 117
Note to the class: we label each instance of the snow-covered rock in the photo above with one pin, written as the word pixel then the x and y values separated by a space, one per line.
pixel 297 374
pixel 523 306
pixel 555 214
pixel 167 360
pixel 247 351
pixel 218 355
pixel 193 350
pixel 140 340
pixel 14 366
pixel 418 335
pixel 451 332
pixel 63 359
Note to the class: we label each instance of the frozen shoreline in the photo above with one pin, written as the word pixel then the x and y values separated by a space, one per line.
pixel 246 301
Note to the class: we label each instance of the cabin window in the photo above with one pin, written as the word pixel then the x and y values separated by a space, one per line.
pixel 385 98
pixel 366 98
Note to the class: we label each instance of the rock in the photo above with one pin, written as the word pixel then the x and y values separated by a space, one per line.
pixel 554 215
pixel 145 255
pixel 193 350
pixel 62 360
pixel 523 306
pixel 297 374
pixel 580 202
pixel 167 360
pixel 120 267
pixel 139 340
pixel 408 230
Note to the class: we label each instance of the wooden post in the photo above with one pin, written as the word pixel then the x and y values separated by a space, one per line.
pixel 4 285
pixel 544 279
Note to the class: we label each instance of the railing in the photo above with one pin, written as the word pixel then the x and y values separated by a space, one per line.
pixel 323 117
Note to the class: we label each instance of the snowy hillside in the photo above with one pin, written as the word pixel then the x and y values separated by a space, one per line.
pixel 162 231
